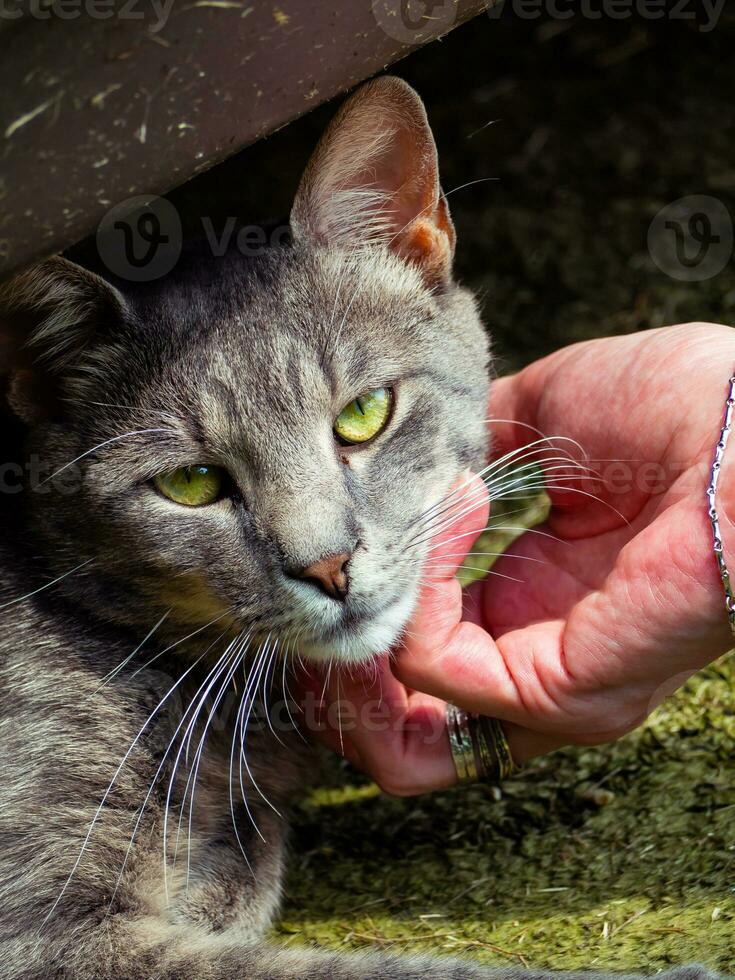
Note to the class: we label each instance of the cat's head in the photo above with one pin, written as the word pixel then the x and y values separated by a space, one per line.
pixel 255 441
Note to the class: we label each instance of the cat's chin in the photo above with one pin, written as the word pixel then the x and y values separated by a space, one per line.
pixel 363 642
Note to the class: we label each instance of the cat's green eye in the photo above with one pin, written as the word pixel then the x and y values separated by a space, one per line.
pixel 364 417
pixel 191 486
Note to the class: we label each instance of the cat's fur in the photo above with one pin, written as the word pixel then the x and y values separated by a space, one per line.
pixel 242 362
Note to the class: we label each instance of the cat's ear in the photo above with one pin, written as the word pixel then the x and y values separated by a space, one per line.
pixel 374 177
pixel 49 315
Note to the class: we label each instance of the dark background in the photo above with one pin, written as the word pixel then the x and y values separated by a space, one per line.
pixel 580 131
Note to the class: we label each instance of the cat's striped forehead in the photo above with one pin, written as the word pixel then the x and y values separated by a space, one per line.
pixel 298 338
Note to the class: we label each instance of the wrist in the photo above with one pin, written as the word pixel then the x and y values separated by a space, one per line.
pixel 721 500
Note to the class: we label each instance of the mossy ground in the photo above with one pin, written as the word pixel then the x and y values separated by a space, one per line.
pixel 622 856
pixel 618 857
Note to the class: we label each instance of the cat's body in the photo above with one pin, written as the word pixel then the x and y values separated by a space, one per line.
pixel 124 853
pixel 63 735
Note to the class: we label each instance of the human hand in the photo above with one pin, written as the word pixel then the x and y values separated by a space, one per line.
pixel 622 599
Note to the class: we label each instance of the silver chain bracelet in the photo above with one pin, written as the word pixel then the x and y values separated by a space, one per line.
pixel 711 498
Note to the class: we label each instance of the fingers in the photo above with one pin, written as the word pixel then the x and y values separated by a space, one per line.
pixel 458 661
pixel 448 654
pixel 437 638
pixel 526 744
pixel 407 752
pixel 554 576
pixel 595 673
pixel 522 679
pixel 399 737
pixel 440 603
pixel 396 736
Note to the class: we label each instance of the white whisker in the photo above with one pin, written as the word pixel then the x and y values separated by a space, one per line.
pixel 121 666
pixel 485 571
pixel 235 662
pixel 178 643
pixel 158 772
pixel 101 445
pixel 107 792
pixel 48 585
pixel 243 733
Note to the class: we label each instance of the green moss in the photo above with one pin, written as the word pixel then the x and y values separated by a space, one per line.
pixel 619 857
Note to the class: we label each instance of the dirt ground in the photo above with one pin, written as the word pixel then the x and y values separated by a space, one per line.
pixel 579 132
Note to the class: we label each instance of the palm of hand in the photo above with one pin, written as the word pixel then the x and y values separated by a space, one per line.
pixel 626 602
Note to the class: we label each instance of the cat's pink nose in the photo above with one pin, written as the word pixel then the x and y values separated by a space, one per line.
pixel 330 574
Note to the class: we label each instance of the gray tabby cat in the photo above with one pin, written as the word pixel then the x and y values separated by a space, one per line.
pixel 191 511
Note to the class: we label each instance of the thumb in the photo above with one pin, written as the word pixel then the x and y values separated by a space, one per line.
pixel 454 659
pixel 443 654
pixel 454 525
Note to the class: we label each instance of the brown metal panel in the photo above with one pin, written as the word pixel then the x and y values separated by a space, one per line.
pixel 102 100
